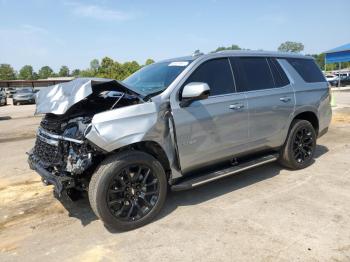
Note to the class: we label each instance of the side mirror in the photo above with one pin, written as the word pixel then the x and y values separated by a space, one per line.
pixel 194 91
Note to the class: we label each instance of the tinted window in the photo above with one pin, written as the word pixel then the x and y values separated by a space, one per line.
pixel 307 69
pixel 252 73
pixel 217 74
pixel 279 76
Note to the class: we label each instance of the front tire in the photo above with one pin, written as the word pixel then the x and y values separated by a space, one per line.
pixel 128 190
pixel 299 148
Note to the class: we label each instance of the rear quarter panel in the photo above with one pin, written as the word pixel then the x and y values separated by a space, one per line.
pixel 313 97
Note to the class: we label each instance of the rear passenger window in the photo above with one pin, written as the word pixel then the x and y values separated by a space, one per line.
pixel 279 76
pixel 307 69
pixel 253 74
pixel 217 74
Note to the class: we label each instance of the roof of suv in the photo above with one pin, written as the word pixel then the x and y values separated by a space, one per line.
pixel 241 53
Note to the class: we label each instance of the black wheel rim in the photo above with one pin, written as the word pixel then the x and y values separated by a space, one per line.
pixel 303 145
pixel 133 193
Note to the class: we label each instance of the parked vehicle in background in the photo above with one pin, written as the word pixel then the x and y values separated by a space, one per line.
pixel 24 96
pixel 345 81
pixel 332 79
pixel 3 97
pixel 339 80
pixel 177 124
pixel 10 91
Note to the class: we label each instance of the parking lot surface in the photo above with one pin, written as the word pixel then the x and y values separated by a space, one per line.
pixel 265 214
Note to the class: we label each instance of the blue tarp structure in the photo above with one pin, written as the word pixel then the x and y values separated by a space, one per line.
pixel 338 55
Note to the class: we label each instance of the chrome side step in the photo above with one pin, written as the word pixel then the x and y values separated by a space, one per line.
pixel 192 182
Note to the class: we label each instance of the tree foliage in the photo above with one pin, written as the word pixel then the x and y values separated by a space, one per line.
pixel 149 61
pixel 223 48
pixel 319 58
pixel 7 72
pixel 94 65
pixel 76 72
pixel 27 73
pixel 109 68
pixel 45 72
pixel 289 46
pixel 64 71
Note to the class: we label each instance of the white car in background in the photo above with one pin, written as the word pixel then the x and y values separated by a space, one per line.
pixel 332 80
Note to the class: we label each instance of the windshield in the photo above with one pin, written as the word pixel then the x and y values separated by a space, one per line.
pixel 156 77
pixel 24 91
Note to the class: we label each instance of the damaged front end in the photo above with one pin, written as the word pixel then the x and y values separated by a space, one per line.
pixel 62 154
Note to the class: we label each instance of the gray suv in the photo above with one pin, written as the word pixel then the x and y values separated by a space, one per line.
pixel 177 124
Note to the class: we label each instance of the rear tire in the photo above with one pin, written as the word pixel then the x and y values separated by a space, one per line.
pixel 299 148
pixel 128 190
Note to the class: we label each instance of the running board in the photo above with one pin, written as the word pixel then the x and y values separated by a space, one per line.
pixel 192 182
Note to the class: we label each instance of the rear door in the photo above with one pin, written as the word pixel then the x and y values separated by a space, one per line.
pixel 270 98
pixel 213 129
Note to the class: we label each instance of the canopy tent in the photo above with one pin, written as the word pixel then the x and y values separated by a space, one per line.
pixel 338 54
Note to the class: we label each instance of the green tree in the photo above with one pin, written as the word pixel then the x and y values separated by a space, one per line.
pixel 129 68
pixel 107 68
pixel 149 61
pixel 319 58
pixel 45 72
pixel 64 71
pixel 222 48
pixel 94 65
pixel 197 52
pixel 289 46
pixel 76 72
pixel 7 72
pixel 35 76
pixel 87 73
pixel 27 73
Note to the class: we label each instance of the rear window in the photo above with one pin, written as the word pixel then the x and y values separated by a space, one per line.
pixel 307 69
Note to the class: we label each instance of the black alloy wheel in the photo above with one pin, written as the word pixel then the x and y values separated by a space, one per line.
pixel 303 145
pixel 128 190
pixel 299 149
pixel 133 193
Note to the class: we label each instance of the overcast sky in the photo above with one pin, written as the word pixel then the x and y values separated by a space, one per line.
pixel 72 33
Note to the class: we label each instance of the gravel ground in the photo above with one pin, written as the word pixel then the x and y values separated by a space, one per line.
pixel 265 214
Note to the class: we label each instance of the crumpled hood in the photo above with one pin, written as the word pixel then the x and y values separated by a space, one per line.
pixel 59 98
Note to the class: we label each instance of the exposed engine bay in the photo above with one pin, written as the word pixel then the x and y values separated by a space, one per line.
pixel 62 152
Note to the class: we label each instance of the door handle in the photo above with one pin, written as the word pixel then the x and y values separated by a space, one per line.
pixel 285 99
pixel 236 106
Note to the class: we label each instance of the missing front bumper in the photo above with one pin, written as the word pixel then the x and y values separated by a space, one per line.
pixel 60 182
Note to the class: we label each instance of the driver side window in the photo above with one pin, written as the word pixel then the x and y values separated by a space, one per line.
pixel 217 74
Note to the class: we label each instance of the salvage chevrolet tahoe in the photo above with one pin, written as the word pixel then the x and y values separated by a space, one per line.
pixel 177 124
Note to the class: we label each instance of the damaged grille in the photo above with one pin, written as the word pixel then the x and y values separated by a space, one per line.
pixel 47 154
pixel 52 123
